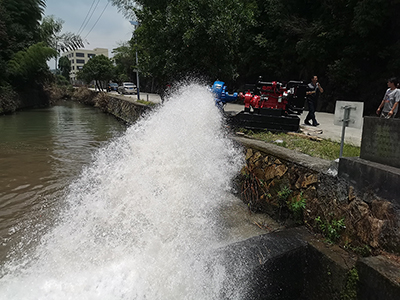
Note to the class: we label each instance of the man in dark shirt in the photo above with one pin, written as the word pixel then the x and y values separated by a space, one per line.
pixel 313 91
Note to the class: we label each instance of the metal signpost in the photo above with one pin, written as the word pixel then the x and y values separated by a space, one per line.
pixel 348 114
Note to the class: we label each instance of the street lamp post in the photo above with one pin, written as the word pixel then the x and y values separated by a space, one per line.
pixel 136 24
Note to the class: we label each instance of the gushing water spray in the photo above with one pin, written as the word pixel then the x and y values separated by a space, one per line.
pixel 141 222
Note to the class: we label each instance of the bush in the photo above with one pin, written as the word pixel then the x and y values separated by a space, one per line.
pixel 101 100
pixel 9 100
pixel 84 95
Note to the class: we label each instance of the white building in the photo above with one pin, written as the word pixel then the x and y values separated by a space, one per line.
pixel 79 57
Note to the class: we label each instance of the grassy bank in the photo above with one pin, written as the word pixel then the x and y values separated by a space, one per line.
pixel 312 146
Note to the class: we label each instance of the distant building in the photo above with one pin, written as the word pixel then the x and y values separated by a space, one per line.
pixel 80 57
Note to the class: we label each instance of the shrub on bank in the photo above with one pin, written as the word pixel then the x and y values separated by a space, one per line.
pixel 9 100
pixel 84 95
pixel 57 92
pixel 101 100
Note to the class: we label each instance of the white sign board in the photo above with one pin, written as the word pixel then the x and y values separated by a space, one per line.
pixel 354 114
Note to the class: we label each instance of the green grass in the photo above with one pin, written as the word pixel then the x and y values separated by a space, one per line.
pixel 326 149
pixel 149 103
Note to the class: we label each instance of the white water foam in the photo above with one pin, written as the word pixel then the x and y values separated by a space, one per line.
pixel 142 220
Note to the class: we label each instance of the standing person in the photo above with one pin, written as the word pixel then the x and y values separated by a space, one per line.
pixel 313 91
pixel 390 103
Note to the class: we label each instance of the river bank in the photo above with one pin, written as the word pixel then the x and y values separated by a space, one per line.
pixel 11 101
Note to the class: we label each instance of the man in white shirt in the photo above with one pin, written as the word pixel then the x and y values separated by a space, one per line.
pixel 390 103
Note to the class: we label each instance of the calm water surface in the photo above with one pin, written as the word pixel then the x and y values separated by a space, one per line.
pixel 41 152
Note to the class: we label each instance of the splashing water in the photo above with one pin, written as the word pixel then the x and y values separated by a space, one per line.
pixel 142 220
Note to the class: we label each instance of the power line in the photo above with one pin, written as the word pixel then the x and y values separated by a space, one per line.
pixel 97 19
pixel 86 15
pixel 89 17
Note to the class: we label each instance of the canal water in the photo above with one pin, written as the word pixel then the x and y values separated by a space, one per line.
pixel 41 152
pixel 92 210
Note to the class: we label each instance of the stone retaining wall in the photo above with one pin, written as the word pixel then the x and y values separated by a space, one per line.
pixel 275 177
pixel 123 109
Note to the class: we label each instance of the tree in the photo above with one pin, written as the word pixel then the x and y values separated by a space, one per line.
pixel 64 65
pixel 50 33
pixel 21 19
pixel 29 66
pixel 22 56
pixel 124 57
pixel 19 27
pixel 100 69
pixel 177 38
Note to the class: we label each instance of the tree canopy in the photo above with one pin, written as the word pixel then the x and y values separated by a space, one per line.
pixel 27 42
pixel 64 64
pixel 19 29
pixel 125 62
pixel 50 33
pixel 99 68
pixel 352 45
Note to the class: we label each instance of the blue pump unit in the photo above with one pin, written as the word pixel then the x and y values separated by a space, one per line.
pixel 221 95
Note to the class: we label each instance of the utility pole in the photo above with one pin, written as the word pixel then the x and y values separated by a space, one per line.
pixel 56 67
pixel 136 24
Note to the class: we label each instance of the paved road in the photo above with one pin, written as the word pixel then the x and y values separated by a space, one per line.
pixel 326 129
pixel 143 96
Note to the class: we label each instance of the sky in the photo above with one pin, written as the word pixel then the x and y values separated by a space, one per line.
pixel 109 32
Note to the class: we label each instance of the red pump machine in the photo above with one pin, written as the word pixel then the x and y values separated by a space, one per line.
pixel 272 105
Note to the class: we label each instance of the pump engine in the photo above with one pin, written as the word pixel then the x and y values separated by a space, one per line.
pixel 270 105
pixel 221 95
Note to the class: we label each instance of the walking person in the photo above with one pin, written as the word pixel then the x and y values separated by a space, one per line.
pixel 390 103
pixel 313 91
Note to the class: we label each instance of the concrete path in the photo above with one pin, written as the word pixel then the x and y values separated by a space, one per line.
pixel 326 129
pixel 143 96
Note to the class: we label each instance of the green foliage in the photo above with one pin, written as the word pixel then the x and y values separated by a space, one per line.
pixel 149 103
pixel 8 99
pixel 19 23
pixel 21 19
pixel 61 80
pixel 331 230
pixel 99 68
pixel 363 250
pixel 183 37
pixel 23 52
pixel 325 149
pixel 297 205
pixel 284 193
pixel 350 290
pixel 125 61
pixel 30 64
pixel 49 28
pixel 50 33
pixel 64 65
